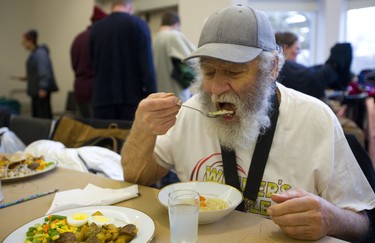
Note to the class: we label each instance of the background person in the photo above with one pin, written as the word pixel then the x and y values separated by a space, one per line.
pixel 170 46
pixel 81 65
pixel 316 79
pixel 323 190
pixel 121 55
pixel 40 76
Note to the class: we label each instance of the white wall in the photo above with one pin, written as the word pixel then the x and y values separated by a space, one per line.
pixel 57 23
pixel 194 13
pixel 330 26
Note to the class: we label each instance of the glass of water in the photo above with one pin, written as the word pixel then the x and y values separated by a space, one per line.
pixel 1 193
pixel 183 209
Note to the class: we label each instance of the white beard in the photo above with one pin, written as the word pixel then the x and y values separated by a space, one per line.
pixel 251 116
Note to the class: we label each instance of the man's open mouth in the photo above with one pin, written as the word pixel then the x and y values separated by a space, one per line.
pixel 225 106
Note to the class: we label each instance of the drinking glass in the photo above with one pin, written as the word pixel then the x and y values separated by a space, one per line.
pixel 1 193
pixel 183 209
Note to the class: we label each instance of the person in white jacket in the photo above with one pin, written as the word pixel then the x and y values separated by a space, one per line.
pixel 169 47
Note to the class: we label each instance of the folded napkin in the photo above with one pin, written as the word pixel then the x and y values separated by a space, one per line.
pixel 91 196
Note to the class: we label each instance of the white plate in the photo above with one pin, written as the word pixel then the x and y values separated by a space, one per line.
pixel 144 223
pixel 47 169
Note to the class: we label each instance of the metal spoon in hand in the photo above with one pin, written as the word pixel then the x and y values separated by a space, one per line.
pixel 211 114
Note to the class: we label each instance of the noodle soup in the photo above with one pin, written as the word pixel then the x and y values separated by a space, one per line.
pixel 217 200
pixel 212 204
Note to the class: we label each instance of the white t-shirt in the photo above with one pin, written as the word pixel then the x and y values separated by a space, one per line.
pixel 309 151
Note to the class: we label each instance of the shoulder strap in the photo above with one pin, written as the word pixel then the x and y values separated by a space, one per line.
pixel 258 162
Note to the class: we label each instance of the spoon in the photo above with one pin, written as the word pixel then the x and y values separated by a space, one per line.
pixel 212 114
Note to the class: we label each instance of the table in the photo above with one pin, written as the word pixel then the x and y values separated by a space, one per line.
pixel 236 227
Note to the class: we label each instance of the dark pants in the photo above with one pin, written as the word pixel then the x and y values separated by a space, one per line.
pixel 41 107
pixel 84 110
pixel 116 112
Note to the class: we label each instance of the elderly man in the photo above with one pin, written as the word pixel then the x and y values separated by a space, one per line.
pixel 312 185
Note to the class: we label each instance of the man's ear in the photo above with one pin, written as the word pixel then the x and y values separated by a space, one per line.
pixel 275 68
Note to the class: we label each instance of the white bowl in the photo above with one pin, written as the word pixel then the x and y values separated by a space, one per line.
pixel 209 190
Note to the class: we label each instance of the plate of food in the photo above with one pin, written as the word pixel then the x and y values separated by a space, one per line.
pixel 79 224
pixel 216 200
pixel 21 165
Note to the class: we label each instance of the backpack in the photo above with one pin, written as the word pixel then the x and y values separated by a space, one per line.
pixel 110 142
pixel 74 134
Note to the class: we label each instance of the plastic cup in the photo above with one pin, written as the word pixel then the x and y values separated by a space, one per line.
pixel 183 209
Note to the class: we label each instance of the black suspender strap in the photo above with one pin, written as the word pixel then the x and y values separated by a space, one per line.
pixel 230 167
pixel 258 161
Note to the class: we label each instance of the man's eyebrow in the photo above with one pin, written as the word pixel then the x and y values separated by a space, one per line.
pixel 216 64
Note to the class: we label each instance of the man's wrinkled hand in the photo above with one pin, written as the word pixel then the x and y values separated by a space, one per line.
pixel 301 215
pixel 157 113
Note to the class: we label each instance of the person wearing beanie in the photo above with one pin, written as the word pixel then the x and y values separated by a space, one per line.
pixel 316 79
pixel 97 14
pixel 340 58
pixel 283 149
pixel 121 56
pixel 40 77
pixel 81 65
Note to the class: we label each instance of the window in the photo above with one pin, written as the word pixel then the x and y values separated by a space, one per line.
pixel 362 37
pixel 300 23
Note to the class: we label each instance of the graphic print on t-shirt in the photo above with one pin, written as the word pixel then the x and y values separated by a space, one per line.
pixel 211 169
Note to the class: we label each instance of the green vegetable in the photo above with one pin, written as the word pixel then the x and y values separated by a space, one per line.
pixel 54 217
pixel 38 235
pixel 49 163
pixel 32 228
pixel 52 232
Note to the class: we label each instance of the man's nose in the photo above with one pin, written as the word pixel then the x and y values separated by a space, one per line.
pixel 219 84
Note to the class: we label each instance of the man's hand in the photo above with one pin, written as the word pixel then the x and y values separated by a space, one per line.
pixel 305 216
pixel 157 113
pixel 302 215
pixel 42 93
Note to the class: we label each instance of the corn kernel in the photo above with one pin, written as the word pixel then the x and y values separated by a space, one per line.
pixel 55 237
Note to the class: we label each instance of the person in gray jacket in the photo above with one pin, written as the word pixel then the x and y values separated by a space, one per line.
pixel 40 76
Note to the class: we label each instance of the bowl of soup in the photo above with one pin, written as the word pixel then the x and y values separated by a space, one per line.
pixel 216 200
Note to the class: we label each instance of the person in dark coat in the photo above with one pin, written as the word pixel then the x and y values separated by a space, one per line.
pixel 40 76
pixel 81 65
pixel 314 80
pixel 121 55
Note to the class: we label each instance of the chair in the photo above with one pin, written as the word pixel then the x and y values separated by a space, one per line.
pixel 104 123
pixel 70 106
pixel 365 163
pixel 30 129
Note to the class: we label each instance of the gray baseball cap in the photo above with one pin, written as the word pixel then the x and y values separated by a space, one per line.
pixel 235 34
